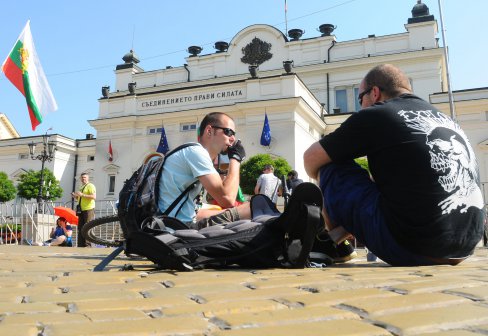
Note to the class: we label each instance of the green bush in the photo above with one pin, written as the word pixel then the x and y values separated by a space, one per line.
pixel 7 188
pixel 14 227
pixel 253 167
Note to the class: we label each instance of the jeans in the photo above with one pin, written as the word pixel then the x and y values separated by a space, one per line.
pixel 351 200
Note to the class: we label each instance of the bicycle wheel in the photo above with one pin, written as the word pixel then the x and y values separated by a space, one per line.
pixel 104 231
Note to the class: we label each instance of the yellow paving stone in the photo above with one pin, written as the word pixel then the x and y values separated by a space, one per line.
pixel 159 326
pixel 235 307
pixel 116 315
pixel 17 294
pixel 119 304
pixel 267 293
pixel 11 308
pixel 401 303
pixel 43 318
pixel 299 282
pixel 475 293
pixel 24 330
pixel 189 279
pixel 283 317
pixel 27 279
pixel 112 287
pixel 454 333
pixel 198 288
pixel 336 297
pixel 87 278
pixel 435 284
pixel 435 319
pixel 322 328
pixel 86 296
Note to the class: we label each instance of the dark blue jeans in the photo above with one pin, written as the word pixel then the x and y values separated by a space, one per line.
pixel 351 200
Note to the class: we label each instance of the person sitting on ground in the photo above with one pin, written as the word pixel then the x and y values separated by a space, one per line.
pixel 195 163
pixel 60 235
pixel 268 184
pixel 423 205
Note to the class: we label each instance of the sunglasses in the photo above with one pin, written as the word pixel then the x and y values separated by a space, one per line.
pixel 227 131
pixel 361 95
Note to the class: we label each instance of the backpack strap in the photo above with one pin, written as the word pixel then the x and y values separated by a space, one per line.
pixel 179 198
pixel 187 190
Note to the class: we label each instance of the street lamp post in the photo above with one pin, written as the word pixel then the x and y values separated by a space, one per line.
pixel 47 154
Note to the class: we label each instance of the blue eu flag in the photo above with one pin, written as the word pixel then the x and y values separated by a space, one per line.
pixel 266 135
pixel 163 147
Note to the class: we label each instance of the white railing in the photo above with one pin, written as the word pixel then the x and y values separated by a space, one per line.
pixel 22 223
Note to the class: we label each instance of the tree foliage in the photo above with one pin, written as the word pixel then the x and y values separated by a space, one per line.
pixel 253 167
pixel 28 186
pixel 7 188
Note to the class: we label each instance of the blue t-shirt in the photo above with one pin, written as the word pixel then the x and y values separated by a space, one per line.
pixel 59 230
pixel 180 170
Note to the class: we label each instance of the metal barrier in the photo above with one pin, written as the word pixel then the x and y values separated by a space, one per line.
pixel 24 223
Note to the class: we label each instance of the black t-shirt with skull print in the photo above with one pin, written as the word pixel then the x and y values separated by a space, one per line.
pixel 425 170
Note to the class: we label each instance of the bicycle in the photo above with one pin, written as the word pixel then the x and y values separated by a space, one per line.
pixel 104 231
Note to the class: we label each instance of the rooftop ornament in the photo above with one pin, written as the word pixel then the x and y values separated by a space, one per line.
pixel 194 50
pixel 132 87
pixel 326 29
pixel 221 46
pixel 288 65
pixel 295 34
pixel 105 91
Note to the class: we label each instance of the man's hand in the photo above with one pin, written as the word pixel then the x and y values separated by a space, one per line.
pixel 236 151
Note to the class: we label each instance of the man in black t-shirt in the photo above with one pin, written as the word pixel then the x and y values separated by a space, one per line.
pixel 422 204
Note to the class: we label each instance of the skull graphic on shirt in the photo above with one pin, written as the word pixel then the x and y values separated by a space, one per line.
pixel 451 157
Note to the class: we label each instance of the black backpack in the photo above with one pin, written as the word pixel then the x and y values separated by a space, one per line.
pixel 271 239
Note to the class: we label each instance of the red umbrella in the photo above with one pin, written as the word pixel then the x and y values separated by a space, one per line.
pixel 67 213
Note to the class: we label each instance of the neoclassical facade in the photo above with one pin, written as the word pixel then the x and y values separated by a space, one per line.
pixel 306 87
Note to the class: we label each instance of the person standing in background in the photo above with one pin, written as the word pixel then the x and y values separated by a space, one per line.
pixel 268 184
pixel 292 181
pixel 85 197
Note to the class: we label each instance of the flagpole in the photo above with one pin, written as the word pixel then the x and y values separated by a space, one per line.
pixel 446 56
pixel 286 19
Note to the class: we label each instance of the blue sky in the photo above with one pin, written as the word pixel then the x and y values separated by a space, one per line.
pixel 79 43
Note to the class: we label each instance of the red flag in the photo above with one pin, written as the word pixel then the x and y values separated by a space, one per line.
pixel 110 152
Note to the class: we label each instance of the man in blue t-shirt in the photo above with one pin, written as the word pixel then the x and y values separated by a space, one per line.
pixel 423 204
pixel 195 163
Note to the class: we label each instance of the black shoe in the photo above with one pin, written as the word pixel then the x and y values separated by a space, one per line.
pixel 325 248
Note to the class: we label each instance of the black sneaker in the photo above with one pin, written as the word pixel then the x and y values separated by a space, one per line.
pixel 325 248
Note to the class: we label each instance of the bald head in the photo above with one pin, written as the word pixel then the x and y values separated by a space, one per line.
pixel 391 80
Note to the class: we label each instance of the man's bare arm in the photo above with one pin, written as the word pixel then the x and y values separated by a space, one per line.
pixel 224 192
pixel 314 158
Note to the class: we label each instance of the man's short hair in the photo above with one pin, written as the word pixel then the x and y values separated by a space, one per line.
pixel 211 119
pixel 268 166
pixel 84 174
pixel 390 79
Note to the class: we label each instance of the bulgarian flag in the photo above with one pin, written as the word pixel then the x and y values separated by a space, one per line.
pixel 23 69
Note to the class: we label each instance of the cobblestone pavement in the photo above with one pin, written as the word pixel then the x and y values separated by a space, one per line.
pixel 53 291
